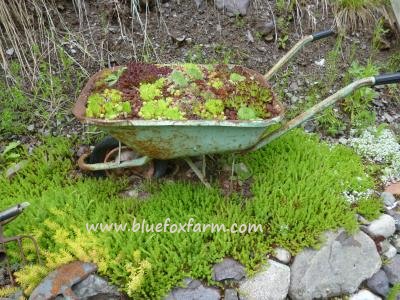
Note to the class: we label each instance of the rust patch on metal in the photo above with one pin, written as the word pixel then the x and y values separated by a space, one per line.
pixel 159 149
pixel 66 275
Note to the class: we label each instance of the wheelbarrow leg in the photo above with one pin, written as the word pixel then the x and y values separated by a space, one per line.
pixel 197 171
pixel 203 170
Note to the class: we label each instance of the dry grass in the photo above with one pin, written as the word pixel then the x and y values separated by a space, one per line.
pixel 36 30
pixel 358 14
pixel 28 27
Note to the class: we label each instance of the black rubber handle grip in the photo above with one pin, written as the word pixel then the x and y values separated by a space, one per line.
pixel 10 213
pixel 387 78
pixel 322 34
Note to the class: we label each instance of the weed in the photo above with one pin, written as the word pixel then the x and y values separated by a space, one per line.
pixel 48 99
pixel 225 54
pixel 11 153
pixel 357 105
pixel 332 67
pixel 331 122
pixel 239 21
pixel 282 41
pixel 378 35
pixel 283 26
pixel 393 64
pixel 196 55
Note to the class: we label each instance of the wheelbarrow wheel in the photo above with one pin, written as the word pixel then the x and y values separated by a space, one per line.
pixel 101 153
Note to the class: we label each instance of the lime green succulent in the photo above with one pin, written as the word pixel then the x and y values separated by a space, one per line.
pixel 109 105
pixel 217 84
pixel 160 109
pixel 246 113
pixel 149 91
pixel 235 77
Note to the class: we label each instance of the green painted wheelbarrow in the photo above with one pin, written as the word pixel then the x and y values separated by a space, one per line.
pixel 148 140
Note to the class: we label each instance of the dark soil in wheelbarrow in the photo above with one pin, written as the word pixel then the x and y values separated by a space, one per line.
pixel 180 92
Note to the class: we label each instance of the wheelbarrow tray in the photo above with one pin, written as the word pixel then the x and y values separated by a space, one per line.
pixel 164 139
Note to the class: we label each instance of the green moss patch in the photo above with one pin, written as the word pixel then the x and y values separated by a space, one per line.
pixel 298 186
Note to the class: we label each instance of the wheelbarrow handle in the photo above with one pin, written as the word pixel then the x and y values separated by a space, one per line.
pixel 319 107
pixel 322 34
pixel 296 48
pixel 387 78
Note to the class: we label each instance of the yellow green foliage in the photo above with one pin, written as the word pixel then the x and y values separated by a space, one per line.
pixel 7 291
pixel 69 244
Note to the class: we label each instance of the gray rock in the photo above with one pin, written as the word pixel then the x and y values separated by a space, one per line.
pixel 94 287
pixel 337 268
pixel 282 255
pixel 228 269
pixel 294 86
pixel 230 294
pixel 249 36
pixel 388 117
pixel 364 295
pixel 383 226
pixel 390 252
pixel 388 199
pixel 396 216
pixel 10 51
pixel 379 283
pixel 233 7
pixel 272 283
pixel 396 243
pixel 392 269
pixel 114 29
pixel 264 27
pixel 194 291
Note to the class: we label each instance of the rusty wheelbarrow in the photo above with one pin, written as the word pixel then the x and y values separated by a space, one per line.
pixel 165 139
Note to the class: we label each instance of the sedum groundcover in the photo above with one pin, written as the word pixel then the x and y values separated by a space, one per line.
pixel 298 183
